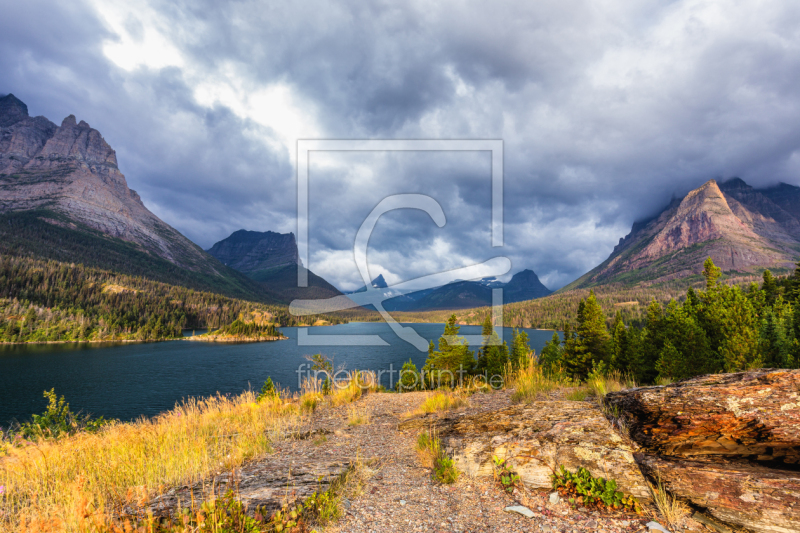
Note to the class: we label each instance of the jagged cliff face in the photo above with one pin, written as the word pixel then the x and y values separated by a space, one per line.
pixel 251 251
pixel 71 169
pixel 272 259
pixel 739 227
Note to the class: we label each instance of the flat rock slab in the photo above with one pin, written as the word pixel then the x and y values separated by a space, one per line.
pixel 741 493
pixel 753 415
pixel 268 483
pixel 536 439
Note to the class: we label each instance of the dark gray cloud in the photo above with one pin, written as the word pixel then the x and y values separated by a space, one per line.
pixel 606 112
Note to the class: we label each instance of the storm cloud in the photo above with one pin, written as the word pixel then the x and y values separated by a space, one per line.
pixel 606 110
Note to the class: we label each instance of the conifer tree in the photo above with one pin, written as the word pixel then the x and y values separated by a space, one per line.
pixel 552 353
pixel 520 349
pixel 453 360
pixel 770 288
pixel 495 355
pixel 592 345
pixel 711 273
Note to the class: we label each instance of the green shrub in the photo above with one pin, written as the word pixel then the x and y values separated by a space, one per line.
pixel 584 489
pixel 268 391
pixel 58 420
pixel 505 476
pixel 431 454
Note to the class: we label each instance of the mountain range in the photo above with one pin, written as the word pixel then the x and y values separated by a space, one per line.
pixel 743 230
pixel 460 294
pixel 63 197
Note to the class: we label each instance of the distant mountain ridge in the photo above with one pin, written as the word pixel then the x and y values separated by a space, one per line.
pixel 741 228
pixel 271 258
pixel 460 294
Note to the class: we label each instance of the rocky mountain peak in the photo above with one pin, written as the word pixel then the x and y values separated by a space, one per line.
pixel 253 251
pixel 12 110
pixel 73 170
pixel 741 228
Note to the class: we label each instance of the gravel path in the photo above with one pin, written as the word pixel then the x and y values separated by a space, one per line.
pixel 401 496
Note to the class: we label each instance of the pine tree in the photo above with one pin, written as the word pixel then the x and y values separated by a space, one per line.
pixel 495 355
pixel 452 361
pixel 592 344
pixel 552 354
pixel 520 349
pixel 711 273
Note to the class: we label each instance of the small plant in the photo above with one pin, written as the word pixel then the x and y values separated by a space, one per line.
pixel 505 476
pixel 445 471
pixel 581 488
pixel 319 441
pixel 531 381
pixel 226 514
pixel 577 394
pixel 601 381
pixel 431 454
pixel 357 417
pixel 670 507
pixel 268 391
pixel 309 402
pixel 58 420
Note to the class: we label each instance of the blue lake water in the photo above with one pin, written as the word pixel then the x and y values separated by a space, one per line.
pixel 128 380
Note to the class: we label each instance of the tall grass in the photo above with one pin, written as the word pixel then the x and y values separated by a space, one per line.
pixel 672 509
pixel 442 401
pixel 529 381
pixel 67 484
pixel 601 384
pixel 432 455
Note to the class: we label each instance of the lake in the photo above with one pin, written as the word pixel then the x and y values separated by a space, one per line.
pixel 128 380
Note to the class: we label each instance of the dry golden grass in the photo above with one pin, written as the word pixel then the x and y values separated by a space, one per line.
pixel 530 382
pixel 614 381
pixel 357 417
pixel 672 509
pixel 441 401
pixel 78 483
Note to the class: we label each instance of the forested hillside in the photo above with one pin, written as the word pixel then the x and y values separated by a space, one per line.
pixel 721 328
pixel 44 234
pixel 46 301
pixel 557 310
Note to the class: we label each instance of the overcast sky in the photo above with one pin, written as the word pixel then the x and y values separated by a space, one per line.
pixel 606 108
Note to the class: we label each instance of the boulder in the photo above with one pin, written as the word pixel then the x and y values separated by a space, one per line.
pixel 754 415
pixel 536 439
pixel 744 493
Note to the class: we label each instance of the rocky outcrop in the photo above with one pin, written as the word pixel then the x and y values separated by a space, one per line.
pixel 536 439
pixel 267 484
pixel 743 493
pixel 72 170
pixel 748 414
pixel 729 444
pixel 739 227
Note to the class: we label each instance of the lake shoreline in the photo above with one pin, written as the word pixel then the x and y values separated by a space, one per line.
pixel 134 341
